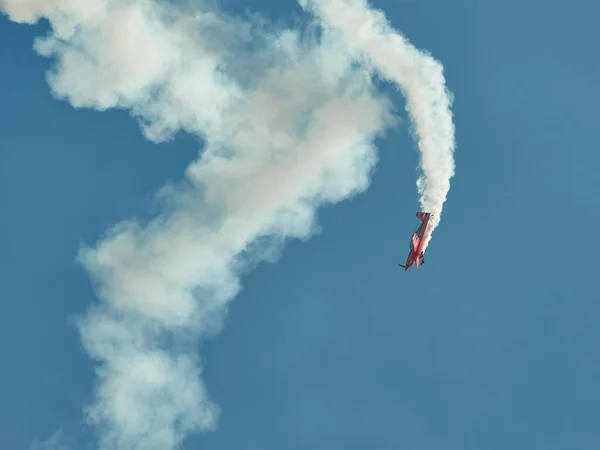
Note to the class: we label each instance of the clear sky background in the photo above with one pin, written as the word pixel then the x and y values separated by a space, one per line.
pixel 493 344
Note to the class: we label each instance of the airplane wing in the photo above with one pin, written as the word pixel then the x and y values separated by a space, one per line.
pixel 420 261
pixel 424 222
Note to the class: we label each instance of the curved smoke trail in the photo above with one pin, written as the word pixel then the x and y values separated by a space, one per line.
pixel 288 122
pixel 421 79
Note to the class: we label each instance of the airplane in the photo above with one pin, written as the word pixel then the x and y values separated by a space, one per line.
pixel 416 254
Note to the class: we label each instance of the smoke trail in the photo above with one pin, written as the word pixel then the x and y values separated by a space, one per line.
pixel 421 79
pixel 288 123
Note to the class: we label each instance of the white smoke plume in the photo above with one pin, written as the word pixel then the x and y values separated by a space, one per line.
pixel 288 120
pixel 420 78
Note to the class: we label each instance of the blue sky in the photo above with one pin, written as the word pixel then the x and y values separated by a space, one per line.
pixel 492 344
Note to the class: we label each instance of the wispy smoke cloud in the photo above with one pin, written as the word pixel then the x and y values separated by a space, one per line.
pixel 421 79
pixel 288 121
pixel 55 442
pixel 292 133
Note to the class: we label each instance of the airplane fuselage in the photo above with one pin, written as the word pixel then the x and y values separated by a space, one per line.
pixel 415 256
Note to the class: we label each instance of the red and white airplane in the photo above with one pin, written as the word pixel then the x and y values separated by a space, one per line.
pixel 415 256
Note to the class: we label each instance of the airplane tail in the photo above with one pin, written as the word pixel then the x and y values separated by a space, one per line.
pixel 423 215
